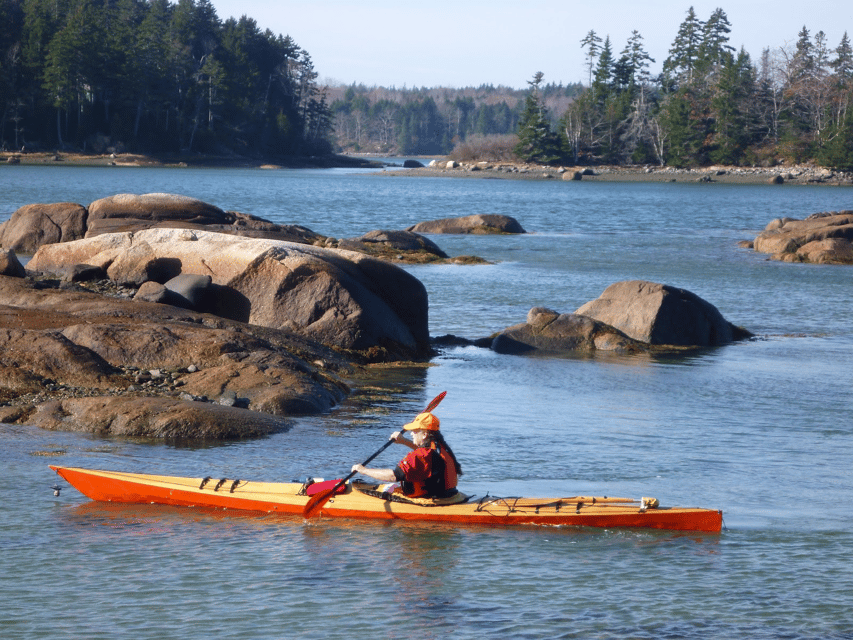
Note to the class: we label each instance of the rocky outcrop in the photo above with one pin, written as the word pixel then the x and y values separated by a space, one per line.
pixel 549 332
pixel 340 298
pixel 76 360
pixel 483 224
pixel 659 314
pixel 629 317
pixel 823 238
pixel 33 225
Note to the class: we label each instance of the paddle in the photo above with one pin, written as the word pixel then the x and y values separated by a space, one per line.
pixel 318 500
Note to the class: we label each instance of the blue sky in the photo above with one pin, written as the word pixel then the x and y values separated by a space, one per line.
pixel 472 42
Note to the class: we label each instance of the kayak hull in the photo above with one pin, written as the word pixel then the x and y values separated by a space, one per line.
pixel 289 498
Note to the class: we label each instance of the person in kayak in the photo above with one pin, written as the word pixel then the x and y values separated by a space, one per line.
pixel 429 471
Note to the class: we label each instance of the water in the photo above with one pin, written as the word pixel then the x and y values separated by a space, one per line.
pixel 759 429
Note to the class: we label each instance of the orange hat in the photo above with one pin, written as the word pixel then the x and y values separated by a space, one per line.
pixel 425 421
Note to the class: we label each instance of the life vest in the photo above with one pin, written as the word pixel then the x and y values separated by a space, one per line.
pixel 427 472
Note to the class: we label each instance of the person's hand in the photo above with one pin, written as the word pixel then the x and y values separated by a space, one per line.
pixel 396 437
pixel 357 468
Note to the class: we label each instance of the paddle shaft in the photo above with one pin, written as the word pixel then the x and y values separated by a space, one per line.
pixel 318 500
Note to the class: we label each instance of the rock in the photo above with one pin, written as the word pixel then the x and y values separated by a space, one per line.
pixel 130 212
pixel 777 179
pixel 389 244
pixel 36 224
pixel 10 265
pixel 162 418
pixel 83 273
pixel 57 344
pixel 189 291
pixel 341 298
pixel 413 164
pixel 474 224
pixel 821 238
pixel 549 332
pixel 573 175
pixel 828 251
pixel 451 164
pixel 659 314
pixel 152 292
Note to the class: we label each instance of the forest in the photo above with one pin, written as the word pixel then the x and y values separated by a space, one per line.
pixel 152 76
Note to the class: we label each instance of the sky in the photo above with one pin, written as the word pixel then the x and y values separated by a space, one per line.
pixel 400 43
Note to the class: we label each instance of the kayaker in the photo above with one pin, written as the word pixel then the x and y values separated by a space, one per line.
pixel 429 471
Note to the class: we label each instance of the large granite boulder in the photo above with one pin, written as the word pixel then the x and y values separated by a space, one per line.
pixel 340 298
pixel 825 238
pixel 660 314
pixel 76 360
pixel 549 332
pixel 33 225
pixel 36 224
pixel 476 224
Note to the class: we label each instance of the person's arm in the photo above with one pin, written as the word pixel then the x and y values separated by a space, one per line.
pixel 399 439
pixel 383 475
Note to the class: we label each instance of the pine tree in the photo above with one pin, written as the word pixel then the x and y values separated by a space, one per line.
pixel 730 109
pixel 684 53
pixel 593 46
pixel 536 141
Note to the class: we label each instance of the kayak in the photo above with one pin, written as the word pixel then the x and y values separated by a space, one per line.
pixel 364 500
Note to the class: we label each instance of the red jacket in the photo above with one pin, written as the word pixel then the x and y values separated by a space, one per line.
pixel 427 472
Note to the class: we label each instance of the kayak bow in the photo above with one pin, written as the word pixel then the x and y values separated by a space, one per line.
pixel 356 502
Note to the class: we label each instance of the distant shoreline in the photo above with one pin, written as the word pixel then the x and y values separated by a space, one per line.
pixel 801 174
pixel 61 158
pixel 797 174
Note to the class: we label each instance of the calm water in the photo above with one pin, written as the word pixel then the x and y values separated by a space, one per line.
pixel 761 430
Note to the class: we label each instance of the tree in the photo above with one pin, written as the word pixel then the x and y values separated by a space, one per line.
pixel 536 141
pixel 714 51
pixel 593 46
pixel 733 95
pixel 684 52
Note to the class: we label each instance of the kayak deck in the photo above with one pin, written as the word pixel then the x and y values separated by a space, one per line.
pixel 290 497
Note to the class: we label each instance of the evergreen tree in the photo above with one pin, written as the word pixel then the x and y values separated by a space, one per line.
pixel 838 153
pixel 715 51
pixel 730 109
pixel 842 66
pixel 604 71
pixel 684 52
pixel 592 43
pixel 536 140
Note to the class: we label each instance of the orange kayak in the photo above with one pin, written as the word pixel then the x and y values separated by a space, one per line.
pixel 361 500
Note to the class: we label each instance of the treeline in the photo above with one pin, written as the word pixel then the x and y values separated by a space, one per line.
pixel 430 121
pixel 152 76
pixel 710 104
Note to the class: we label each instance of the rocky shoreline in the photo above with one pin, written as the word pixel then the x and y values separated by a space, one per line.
pixel 782 174
pixel 177 160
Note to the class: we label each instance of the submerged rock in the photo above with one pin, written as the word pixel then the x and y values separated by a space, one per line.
pixel 483 224
pixel 549 332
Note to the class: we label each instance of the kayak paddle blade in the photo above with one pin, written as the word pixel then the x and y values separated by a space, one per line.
pixel 317 502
